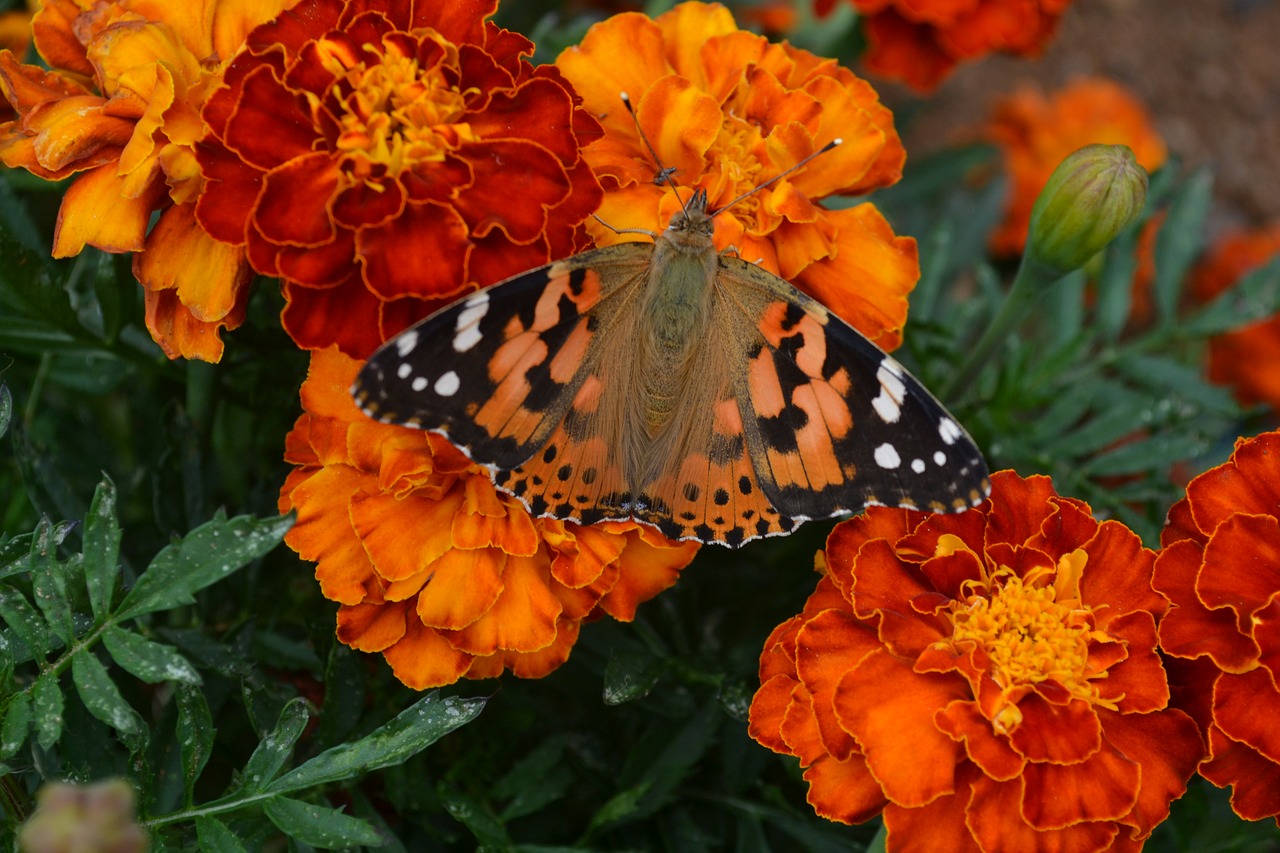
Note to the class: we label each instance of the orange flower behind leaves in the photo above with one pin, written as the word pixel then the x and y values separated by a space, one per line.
pixel 121 111
pixel 987 680
pixel 1247 359
pixel 383 157
pixel 1035 133
pixel 920 43
pixel 727 110
pixel 1220 566
pixel 433 567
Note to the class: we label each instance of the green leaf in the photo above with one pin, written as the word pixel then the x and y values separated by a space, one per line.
pixel 17 722
pixel 413 730
pixel 1254 297
pixel 214 837
pixel 1180 240
pixel 194 732
pixel 6 408
pixel 473 814
pixel 274 749
pixel 319 826
pixel 46 709
pixel 101 548
pixel 204 556
pixel 629 676
pixel 1156 453
pixel 1115 283
pixel 21 618
pixel 101 696
pixel 49 583
pixel 152 662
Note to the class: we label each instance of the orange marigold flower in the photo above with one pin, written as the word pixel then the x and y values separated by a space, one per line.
pixel 121 109
pixel 1220 566
pixel 987 680
pixel 1035 133
pixel 726 110
pixel 1247 359
pixel 382 157
pixel 432 566
pixel 920 43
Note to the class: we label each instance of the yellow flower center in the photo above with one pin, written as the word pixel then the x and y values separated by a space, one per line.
pixel 736 163
pixel 396 114
pixel 1033 629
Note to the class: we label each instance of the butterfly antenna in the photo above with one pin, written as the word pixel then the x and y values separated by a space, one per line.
pixel 823 150
pixel 664 173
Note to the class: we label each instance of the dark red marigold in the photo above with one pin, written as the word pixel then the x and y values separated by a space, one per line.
pixel 382 157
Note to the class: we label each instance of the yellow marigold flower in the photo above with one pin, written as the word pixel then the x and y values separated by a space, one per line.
pixel 120 109
pixel 1035 133
pixel 432 566
pixel 726 110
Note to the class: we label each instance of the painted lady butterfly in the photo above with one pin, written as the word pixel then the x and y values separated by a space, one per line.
pixel 676 385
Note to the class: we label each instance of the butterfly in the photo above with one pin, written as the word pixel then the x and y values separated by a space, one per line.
pixel 675 385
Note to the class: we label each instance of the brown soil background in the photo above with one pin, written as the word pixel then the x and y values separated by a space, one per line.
pixel 1208 72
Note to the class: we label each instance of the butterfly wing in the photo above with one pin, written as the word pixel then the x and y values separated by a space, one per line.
pixel 497 372
pixel 833 424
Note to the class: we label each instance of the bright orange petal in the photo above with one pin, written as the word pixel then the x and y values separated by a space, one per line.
pixel 464 587
pixel 524 617
pixel 423 659
pixel 210 276
pixel 95 213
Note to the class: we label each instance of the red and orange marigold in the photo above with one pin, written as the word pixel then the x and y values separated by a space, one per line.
pixel 1247 359
pixel 433 567
pixel 920 43
pixel 726 110
pixel 383 157
pixel 120 110
pixel 1035 132
pixel 987 681
pixel 1220 566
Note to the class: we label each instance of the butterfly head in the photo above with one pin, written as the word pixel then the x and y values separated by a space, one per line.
pixel 693 219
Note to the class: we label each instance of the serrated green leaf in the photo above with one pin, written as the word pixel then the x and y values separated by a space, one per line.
pixel 21 618
pixel 6 408
pixel 101 548
pixel 204 556
pixel 1115 284
pixel 214 837
pixel 1112 424
pixel 318 826
pixel 17 722
pixel 152 662
pixel 1180 240
pixel 49 583
pixel 629 676
pixel 413 730
pixel 101 696
pixel 1255 297
pixel 46 709
pixel 1155 453
pixel 1169 380
pixel 194 732
pixel 15 554
pixel 274 749
pixel 471 813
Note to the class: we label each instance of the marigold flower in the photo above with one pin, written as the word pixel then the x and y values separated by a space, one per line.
pixel 1247 359
pixel 381 158
pixel 987 681
pixel 1036 133
pixel 432 566
pixel 726 110
pixel 920 43
pixel 130 138
pixel 1220 566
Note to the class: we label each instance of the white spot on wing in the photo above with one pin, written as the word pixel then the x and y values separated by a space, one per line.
pixel 447 385
pixel 467 328
pixel 949 431
pixel 406 342
pixel 939 458
pixel 888 403
pixel 419 383
pixel 918 466
pixel 404 370
pixel 887 456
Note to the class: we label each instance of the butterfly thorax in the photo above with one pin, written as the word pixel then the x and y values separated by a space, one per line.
pixel 675 315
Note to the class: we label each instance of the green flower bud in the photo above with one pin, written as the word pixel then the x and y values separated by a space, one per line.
pixel 98 818
pixel 1090 198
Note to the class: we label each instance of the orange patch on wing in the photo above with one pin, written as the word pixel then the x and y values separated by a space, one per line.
pixel 712 496
pixel 565 364
pixel 580 474
pixel 504 414
pixel 817 453
pixel 587 400
pixel 548 311
pixel 766 389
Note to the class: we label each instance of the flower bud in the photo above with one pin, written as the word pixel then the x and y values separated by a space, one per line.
pixel 1090 198
pixel 97 818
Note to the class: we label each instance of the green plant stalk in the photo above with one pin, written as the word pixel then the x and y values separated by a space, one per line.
pixel 1032 281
